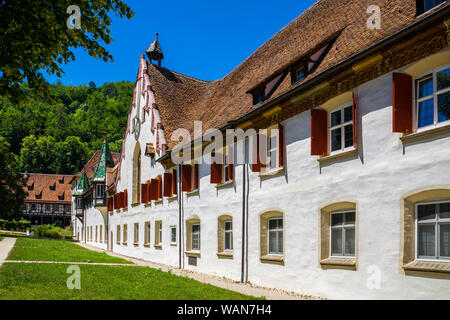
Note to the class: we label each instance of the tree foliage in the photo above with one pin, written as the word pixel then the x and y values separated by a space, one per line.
pixel 34 38
pixel 60 137
pixel 12 183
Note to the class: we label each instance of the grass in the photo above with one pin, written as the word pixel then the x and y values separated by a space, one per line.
pixel 19 281
pixel 1 238
pixel 27 249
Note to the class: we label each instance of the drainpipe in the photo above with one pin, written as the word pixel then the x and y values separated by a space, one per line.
pixel 244 166
pixel 180 234
pixel 246 220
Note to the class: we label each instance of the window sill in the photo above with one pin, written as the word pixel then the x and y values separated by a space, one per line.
pixel 225 255
pixel 173 198
pixel 225 185
pixel 158 246
pixel 173 244
pixel 428 266
pixel 158 202
pixel 134 205
pixel 339 263
pixel 338 156
pixel 124 244
pixel 426 134
pixel 146 245
pixel 272 173
pixel 192 193
pixel 136 244
pixel 192 254
pixel 272 259
pixel 148 205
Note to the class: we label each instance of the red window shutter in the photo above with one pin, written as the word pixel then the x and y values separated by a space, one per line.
pixel 319 132
pixel 174 182
pixel 148 191
pixel 125 195
pixel 196 176
pixel 231 162
pixel 186 172
pixel 154 190
pixel 216 169
pixel 281 146
pixel 115 201
pixel 143 193
pixel 110 204
pixel 121 200
pixel 160 193
pixel 258 162
pixel 167 185
pixel 402 103
pixel 355 131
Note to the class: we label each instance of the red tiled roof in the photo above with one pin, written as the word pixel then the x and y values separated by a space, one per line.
pixel 182 99
pixel 38 188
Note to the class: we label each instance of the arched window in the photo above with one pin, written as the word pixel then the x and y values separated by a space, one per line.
pixel 271 239
pixel 225 237
pixel 137 174
pixel 425 230
pixel 338 235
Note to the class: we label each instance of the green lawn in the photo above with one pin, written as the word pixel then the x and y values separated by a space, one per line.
pixel 1 238
pixel 27 249
pixel 43 281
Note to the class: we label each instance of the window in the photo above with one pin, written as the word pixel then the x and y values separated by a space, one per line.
pixel 228 229
pixel 228 163
pixel 136 233
pixel 147 234
pixel 342 234
pixel 341 128
pixel 118 235
pixel 96 233
pixel 173 235
pixel 273 150
pixel 433 98
pixel 433 231
pixel 125 234
pixel 300 73
pixel 271 140
pixel 195 245
pixel 426 5
pixel 100 191
pixel 275 227
pixel 158 233
pixel 101 233
pixel 258 96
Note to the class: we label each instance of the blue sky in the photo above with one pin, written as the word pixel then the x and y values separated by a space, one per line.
pixel 202 39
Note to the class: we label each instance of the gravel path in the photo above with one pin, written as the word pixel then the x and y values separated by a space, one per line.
pixel 248 289
pixel 5 247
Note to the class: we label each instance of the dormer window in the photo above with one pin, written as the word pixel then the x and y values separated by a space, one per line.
pixel 300 74
pixel 30 187
pixel 61 181
pixel 53 187
pixel 258 96
pixel 426 5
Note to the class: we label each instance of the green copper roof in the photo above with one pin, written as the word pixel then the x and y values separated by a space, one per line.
pixel 105 160
pixel 82 186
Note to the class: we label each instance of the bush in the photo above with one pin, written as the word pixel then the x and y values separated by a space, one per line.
pixel 8 225
pixel 53 231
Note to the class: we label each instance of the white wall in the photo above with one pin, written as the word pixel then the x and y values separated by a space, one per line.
pixel 376 180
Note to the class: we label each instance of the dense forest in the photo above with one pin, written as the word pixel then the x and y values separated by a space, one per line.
pixel 59 134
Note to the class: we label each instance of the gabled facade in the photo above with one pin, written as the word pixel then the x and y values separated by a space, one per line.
pixel 49 199
pixel 346 191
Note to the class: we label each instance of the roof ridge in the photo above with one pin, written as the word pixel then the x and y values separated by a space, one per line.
pixel 181 74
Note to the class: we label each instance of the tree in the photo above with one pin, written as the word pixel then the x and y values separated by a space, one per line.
pixel 38 154
pixel 12 184
pixel 35 38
